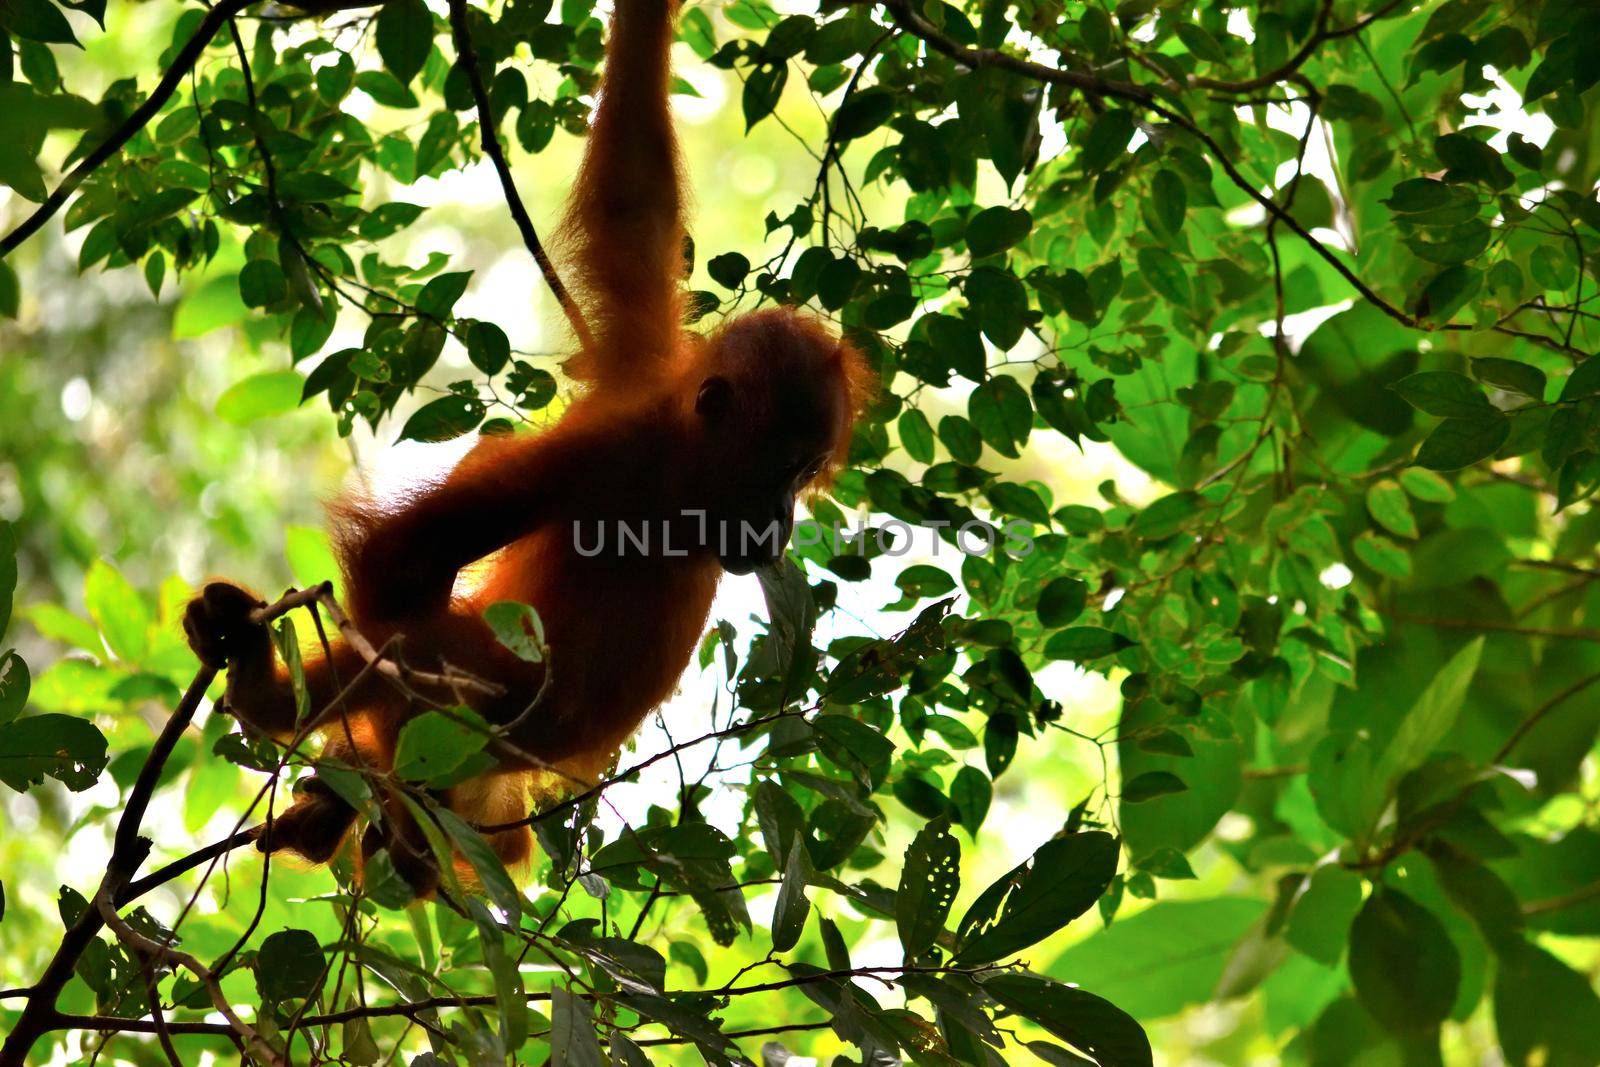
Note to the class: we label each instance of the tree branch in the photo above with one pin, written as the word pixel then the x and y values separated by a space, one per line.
pixel 128 850
pixel 461 33
pixel 182 63
pixel 139 943
pixel 975 58
pixel 1540 712
pixel 127 853
pixel 599 787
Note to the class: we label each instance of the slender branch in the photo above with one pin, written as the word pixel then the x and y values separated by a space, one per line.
pixel 761 1031
pixel 1307 50
pixel 1581 895
pixel 886 974
pixel 461 34
pixel 451 678
pixel 599 787
pixel 1540 712
pixel 128 851
pixel 140 886
pixel 182 63
pixel 1258 774
pixel 1572 633
pixel 975 58
pixel 137 941
pixel 907 19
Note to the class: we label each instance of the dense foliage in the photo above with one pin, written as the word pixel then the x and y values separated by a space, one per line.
pixel 1322 273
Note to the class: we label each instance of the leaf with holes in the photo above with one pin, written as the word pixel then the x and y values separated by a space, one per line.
pixel 1062 881
pixel 928 884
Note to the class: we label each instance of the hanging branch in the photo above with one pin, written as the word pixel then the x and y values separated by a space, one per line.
pixel 461 34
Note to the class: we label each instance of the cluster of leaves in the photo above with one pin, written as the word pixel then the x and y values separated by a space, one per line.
pixel 1357 617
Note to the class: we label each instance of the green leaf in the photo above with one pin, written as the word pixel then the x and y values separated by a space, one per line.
pixel 475 848
pixel 487 347
pixel 996 229
pixel 14 686
pixel 1583 381
pixel 442 292
pixel 1151 784
pixel 1319 925
pixel 1454 396
pixel 290 966
pixel 1544 1011
pixel 1167 863
pixel 695 28
pixel 1081 1019
pixel 971 794
pixel 1084 643
pixel 385 220
pixel 36 20
pixel 1108 137
pixel 405 36
pixel 260 396
pixel 1403 963
pixel 1009 498
pixel 916 435
pixel 1162 959
pixel 574 1040
pixel 1427 486
pixel 1434 714
pixel 1470 159
pixel 435 745
pixel 517 627
pixel 10 292
pixel 261 283
pixel 124 617
pixel 789 915
pixel 443 419
pixel 68 749
pixel 1000 302
pixel 1389 506
pixel 1061 881
pixel 1168 202
pixel 1457 443
pixel 1201 44
pixel 1382 555
pixel 1166 517
pixel 929 880
pixel 385 89
pixel 1164 273
pixel 1062 601
pixel 1449 291
pixel 762 88
pixel 924 580
pixel 1002 413
pixel 862 113
pixel 728 270
pixel 1510 374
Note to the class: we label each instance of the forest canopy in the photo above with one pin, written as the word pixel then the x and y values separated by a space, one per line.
pixel 1210 671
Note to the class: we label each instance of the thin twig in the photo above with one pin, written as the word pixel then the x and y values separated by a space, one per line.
pixel 1566 900
pixel 137 119
pixel 137 941
pixel 1540 712
pixel 461 34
